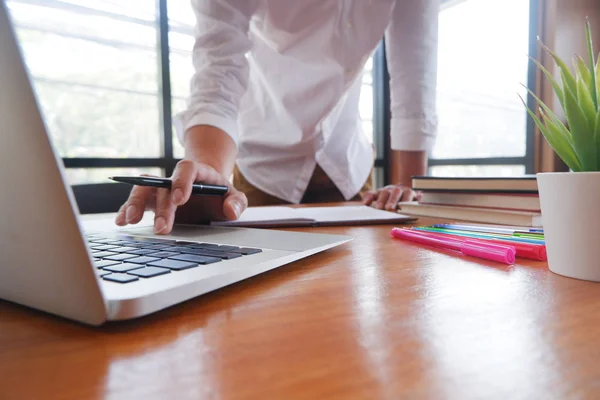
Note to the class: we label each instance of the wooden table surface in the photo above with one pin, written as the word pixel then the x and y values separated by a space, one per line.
pixel 373 319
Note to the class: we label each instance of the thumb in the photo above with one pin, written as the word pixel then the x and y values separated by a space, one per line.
pixel 235 204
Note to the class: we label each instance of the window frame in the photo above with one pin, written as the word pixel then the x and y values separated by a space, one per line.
pixel 381 115
pixel 527 160
pixel 108 197
pixel 167 161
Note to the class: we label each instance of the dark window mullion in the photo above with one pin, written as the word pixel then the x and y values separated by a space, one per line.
pixel 165 84
pixel 381 110
pixel 534 16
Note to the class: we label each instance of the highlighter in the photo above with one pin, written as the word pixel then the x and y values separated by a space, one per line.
pixel 488 251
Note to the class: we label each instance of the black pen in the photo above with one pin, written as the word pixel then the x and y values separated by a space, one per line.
pixel 203 189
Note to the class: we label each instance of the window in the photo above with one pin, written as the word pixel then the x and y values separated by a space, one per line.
pixel 482 63
pixel 95 87
pixel 181 41
pixel 110 75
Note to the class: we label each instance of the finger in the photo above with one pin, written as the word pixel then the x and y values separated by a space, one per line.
pixel 382 197
pixel 409 195
pixel 368 197
pixel 182 180
pixel 395 196
pixel 120 218
pixel 137 203
pixel 235 204
pixel 165 212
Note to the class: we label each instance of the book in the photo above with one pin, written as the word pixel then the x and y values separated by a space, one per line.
pixel 489 216
pixel 284 216
pixel 513 201
pixel 520 184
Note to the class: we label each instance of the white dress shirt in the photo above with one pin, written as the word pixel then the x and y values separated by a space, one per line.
pixel 283 79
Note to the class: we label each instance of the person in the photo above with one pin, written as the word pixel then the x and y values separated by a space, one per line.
pixel 274 105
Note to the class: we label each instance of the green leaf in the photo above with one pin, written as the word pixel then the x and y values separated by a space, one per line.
pixel 563 129
pixel 586 102
pixel 583 135
pixel 597 131
pixel 557 89
pixel 567 152
pixel 598 74
pixel 568 78
pixel 592 63
pixel 557 139
pixel 583 71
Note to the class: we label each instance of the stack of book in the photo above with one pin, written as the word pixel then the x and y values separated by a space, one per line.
pixel 506 201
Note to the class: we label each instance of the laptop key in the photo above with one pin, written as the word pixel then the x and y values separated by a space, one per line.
pixel 174 264
pixel 141 252
pixel 104 247
pixel 120 257
pixel 140 245
pixel 152 240
pixel 122 267
pixel 125 243
pixel 207 245
pixel 157 247
pixel 120 278
pixel 227 248
pixel 163 254
pixel 212 253
pixel 142 260
pixel 109 241
pixel 149 272
pixel 102 254
pixel 103 241
pixel 195 258
pixel 180 249
pixel 124 249
pixel 105 263
pixel 246 251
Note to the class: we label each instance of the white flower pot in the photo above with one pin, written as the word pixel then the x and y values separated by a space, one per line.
pixel 570 203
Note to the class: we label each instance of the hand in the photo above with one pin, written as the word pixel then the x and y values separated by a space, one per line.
pixel 167 203
pixel 388 197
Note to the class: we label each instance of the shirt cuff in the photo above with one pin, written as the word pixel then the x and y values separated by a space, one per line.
pixel 182 122
pixel 413 134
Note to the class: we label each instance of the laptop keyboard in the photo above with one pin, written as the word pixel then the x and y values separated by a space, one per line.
pixel 130 258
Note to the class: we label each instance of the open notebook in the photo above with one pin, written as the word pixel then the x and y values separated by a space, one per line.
pixel 282 216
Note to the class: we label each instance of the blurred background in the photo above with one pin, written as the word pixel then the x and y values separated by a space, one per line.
pixel 109 71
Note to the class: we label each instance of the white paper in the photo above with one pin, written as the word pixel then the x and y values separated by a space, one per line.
pixel 275 214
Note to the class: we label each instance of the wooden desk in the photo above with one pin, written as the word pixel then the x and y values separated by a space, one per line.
pixel 373 319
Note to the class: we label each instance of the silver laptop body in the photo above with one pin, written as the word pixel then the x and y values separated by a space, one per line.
pixel 48 263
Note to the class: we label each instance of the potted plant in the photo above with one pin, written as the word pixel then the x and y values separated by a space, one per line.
pixel 570 200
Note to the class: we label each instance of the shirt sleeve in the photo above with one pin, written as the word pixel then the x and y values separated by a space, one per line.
pixel 220 66
pixel 411 49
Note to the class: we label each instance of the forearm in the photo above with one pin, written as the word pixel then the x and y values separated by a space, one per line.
pixel 209 145
pixel 411 53
pixel 405 164
pixel 208 127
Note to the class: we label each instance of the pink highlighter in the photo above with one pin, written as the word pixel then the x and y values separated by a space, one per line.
pixel 488 251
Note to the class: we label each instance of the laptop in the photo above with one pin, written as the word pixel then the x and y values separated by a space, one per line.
pixel 53 262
